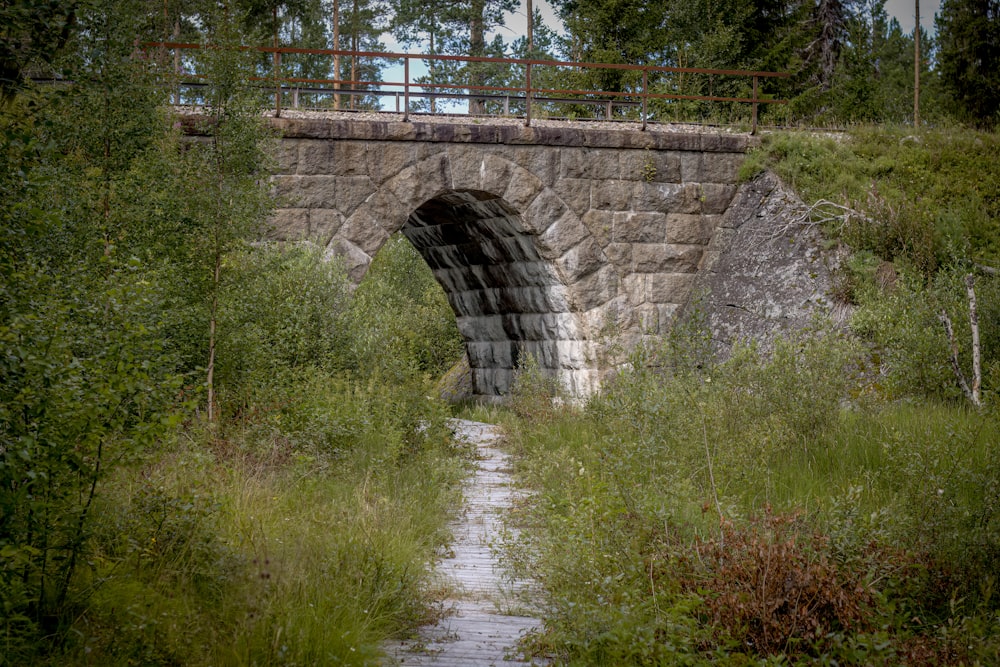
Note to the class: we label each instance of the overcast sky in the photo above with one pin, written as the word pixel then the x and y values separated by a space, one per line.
pixel 902 10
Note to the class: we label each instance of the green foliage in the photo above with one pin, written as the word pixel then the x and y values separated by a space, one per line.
pixel 739 514
pixel 400 307
pixel 924 191
pixel 969 58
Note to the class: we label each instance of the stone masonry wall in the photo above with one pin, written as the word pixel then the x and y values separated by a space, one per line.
pixel 546 239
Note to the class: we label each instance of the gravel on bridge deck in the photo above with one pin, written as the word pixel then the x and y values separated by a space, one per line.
pixel 482 627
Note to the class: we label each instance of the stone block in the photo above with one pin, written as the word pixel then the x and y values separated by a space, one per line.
pixel 709 260
pixel 539 160
pixel 548 213
pixel 467 167
pixel 650 166
pixel 611 195
pixel 390 213
pixel 561 235
pixel 716 197
pixel 423 181
pixel 595 289
pixel 356 261
pixel 691 164
pixel 670 287
pixel 575 192
pixel 665 258
pixel 579 382
pixel 638 227
pixel 287 156
pixel 289 224
pixel 308 191
pixel 658 197
pixel 324 223
pixel 721 168
pixel 601 225
pixel 481 328
pixel 668 315
pixel 332 157
pixel 487 354
pixel 387 159
pixel 636 287
pixel 364 231
pixel 620 256
pixel 522 188
pixel 689 228
pixel 589 163
pixel 649 318
pixel 580 260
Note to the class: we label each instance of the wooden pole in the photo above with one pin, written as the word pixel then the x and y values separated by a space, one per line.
pixel 916 68
pixel 336 56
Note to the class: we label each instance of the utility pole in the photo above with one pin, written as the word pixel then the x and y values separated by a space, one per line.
pixel 916 68
pixel 531 17
pixel 336 47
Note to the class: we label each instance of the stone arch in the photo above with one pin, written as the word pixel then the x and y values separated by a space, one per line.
pixel 521 271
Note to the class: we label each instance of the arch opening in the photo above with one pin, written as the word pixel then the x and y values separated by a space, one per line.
pixel 508 301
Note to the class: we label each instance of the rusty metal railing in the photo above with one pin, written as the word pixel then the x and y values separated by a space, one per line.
pixel 526 93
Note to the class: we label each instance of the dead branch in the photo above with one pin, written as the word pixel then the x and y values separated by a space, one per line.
pixel 955 367
pixel 977 371
pixel 973 394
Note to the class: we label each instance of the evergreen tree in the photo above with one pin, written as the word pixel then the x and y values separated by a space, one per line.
pixel 969 58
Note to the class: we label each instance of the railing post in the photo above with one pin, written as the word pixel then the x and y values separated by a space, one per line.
pixel 406 89
pixel 753 122
pixel 645 97
pixel 527 94
pixel 177 76
pixel 277 85
pixel 607 111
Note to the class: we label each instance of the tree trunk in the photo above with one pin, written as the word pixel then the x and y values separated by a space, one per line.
pixel 477 47
pixel 916 68
pixel 354 47
pixel 336 46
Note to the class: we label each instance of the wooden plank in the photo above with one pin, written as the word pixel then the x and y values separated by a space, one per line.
pixel 477 630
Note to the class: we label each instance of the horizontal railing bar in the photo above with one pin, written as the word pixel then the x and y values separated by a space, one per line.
pixel 482 59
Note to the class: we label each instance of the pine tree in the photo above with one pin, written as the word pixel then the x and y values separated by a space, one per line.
pixel 969 58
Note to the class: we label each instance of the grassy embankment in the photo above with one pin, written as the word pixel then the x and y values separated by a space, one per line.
pixel 835 503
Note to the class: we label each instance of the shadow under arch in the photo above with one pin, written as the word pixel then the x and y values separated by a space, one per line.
pixel 507 298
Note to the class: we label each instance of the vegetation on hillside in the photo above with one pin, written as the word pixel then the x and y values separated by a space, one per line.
pixel 834 502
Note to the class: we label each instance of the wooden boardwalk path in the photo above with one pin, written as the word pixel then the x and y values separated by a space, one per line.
pixel 485 616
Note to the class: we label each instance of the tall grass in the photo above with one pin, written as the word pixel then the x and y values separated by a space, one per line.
pixel 303 526
pixel 669 507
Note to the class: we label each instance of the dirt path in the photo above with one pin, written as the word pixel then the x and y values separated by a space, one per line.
pixel 485 621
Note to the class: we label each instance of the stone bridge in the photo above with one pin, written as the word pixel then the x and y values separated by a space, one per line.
pixel 553 241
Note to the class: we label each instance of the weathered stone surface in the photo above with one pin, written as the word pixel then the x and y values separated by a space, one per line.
pixel 689 228
pixel 670 287
pixel 665 258
pixel 548 238
pixel 547 211
pixel 767 277
pixel 561 235
pixel 716 197
pixel 638 227
pixel 523 188
pixel 290 224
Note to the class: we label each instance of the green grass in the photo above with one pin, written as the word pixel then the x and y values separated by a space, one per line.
pixel 934 186
pixel 221 552
pixel 661 507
